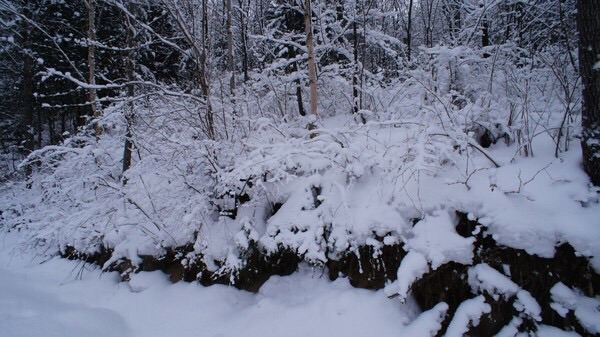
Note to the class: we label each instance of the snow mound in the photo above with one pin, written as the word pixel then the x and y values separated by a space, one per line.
pixel 469 312
pixel 586 309
pixel 435 238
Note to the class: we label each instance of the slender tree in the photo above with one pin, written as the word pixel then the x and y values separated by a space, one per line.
pixel 91 35
pixel 356 73
pixel 312 68
pixel 28 97
pixel 130 71
pixel 242 10
pixel 409 31
pixel 230 61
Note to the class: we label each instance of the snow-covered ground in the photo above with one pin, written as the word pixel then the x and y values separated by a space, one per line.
pixel 65 298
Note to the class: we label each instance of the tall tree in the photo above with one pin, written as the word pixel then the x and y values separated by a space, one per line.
pixel 287 29
pixel 28 97
pixel 91 35
pixel 243 14
pixel 188 15
pixel 588 23
pixel 130 73
pixel 409 31
pixel 230 61
pixel 312 68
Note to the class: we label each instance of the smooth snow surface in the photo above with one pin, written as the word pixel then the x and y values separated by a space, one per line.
pixel 65 298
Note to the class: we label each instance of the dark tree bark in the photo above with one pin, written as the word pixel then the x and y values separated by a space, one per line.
pixel 244 39
pixel 27 83
pixel 202 74
pixel 230 60
pixel 409 31
pixel 312 68
pixel 485 33
pixel 91 34
pixel 130 113
pixel 588 23
pixel 299 99
pixel 355 74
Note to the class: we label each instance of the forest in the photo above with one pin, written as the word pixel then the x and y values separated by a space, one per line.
pixel 444 154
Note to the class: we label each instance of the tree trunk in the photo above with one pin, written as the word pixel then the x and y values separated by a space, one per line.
pixel 203 76
pixel 230 62
pixel 27 82
pixel 38 124
pixel 588 23
pixel 409 31
pixel 185 15
pixel 244 38
pixel 312 68
pixel 92 64
pixel 485 35
pixel 295 69
pixel 130 113
pixel 355 107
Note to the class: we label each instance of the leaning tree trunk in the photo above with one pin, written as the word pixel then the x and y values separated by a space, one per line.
pixel 588 23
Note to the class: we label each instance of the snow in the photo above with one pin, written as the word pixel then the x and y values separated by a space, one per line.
pixel 65 298
pixel 468 312
pixel 550 331
pixel 412 267
pixel 428 323
pixel 57 297
pixel 482 277
pixel 414 161
pixel 512 329
pixel 436 239
pixel 586 309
